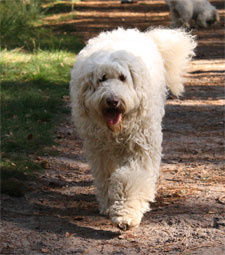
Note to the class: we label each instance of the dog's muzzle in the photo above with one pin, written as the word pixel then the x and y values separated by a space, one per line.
pixel 113 112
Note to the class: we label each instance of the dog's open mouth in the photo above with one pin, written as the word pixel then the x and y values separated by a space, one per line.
pixel 113 117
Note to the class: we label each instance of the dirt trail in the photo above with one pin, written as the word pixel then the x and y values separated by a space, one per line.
pixel 59 215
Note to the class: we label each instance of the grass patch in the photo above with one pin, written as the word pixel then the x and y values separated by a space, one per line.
pixel 19 23
pixel 54 7
pixel 22 26
pixel 67 17
pixel 35 68
pixel 32 91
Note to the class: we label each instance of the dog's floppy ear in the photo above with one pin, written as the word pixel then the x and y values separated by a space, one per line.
pixel 177 48
pixel 133 74
pixel 85 84
pixel 79 86
pixel 137 71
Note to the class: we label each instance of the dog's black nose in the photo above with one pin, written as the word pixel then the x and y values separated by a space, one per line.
pixel 112 102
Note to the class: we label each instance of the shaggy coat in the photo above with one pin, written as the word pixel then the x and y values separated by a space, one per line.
pixel 118 90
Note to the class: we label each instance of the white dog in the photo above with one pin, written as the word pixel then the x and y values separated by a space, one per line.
pixel 118 90
pixel 189 13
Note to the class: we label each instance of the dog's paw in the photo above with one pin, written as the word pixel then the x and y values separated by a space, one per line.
pixel 126 222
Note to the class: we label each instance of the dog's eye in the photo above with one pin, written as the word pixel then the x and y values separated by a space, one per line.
pixel 104 78
pixel 122 77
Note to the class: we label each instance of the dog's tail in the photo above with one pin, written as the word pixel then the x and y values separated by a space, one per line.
pixel 177 48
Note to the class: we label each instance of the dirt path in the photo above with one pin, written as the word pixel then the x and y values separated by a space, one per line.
pixel 60 214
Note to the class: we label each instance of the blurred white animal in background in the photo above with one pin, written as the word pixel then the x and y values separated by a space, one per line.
pixel 192 13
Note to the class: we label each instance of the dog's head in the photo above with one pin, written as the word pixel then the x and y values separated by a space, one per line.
pixel 213 17
pixel 108 93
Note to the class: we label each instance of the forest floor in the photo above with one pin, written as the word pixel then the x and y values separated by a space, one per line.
pixel 59 213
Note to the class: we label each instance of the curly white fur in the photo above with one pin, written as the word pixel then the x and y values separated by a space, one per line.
pixel 123 142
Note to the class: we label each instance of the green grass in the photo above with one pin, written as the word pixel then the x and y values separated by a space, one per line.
pixel 66 17
pixel 19 23
pixel 22 26
pixel 32 91
pixel 35 68
pixel 60 6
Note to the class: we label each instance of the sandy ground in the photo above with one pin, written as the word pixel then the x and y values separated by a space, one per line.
pixel 59 214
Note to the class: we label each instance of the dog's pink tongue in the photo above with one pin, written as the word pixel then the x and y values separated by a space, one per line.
pixel 112 117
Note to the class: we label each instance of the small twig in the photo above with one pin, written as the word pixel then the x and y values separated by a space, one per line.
pixel 221 199
pixel 202 246
pixel 173 180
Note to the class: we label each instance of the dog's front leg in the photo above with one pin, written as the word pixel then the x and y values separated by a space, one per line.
pixel 101 183
pixel 102 167
pixel 201 21
pixel 130 190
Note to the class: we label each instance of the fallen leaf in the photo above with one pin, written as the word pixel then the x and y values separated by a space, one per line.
pixel 67 234
pixel 212 212
pixel 44 250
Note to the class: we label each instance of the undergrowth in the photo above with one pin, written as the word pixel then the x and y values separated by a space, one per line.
pixel 32 91
pixel 35 66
